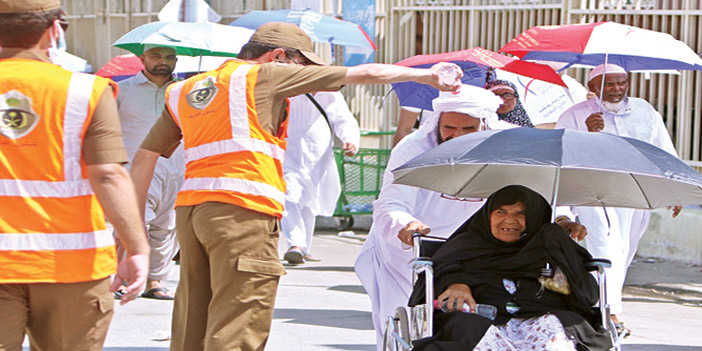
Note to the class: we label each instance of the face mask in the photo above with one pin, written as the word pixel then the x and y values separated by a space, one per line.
pixel 58 44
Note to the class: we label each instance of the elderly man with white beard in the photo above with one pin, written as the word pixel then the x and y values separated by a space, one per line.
pixel 382 265
pixel 616 232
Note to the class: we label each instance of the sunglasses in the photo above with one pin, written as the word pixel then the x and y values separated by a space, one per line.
pixel 63 23
pixel 506 96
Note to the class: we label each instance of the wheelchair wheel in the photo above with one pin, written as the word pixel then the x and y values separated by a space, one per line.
pixel 400 324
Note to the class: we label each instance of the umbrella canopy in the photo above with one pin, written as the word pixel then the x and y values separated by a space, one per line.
pixel 568 167
pixel 475 63
pixel 121 66
pixel 633 48
pixel 190 39
pixel 124 66
pixel 319 27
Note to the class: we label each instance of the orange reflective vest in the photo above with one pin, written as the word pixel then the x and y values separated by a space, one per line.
pixel 229 157
pixel 52 228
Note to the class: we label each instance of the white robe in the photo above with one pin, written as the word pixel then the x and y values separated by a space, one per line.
pixel 618 240
pixel 382 265
pixel 309 168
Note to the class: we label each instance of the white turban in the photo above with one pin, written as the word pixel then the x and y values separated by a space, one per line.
pixel 470 100
pixel 606 69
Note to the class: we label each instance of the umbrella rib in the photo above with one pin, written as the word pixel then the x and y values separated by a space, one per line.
pixel 470 180
pixel 642 191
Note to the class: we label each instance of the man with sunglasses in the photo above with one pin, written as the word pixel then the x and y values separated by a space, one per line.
pixel 61 167
pixel 233 122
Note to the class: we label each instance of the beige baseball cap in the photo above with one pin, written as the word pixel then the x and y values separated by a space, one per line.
pixel 27 6
pixel 286 35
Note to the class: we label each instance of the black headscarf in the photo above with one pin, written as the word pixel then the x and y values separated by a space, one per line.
pixel 518 115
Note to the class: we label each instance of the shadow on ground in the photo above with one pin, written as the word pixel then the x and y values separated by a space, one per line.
pixel 348 288
pixel 658 347
pixel 348 319
pixel 357 347
pixel 318 268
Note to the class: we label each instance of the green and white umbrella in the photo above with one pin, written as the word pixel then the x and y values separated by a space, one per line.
pixel 191 39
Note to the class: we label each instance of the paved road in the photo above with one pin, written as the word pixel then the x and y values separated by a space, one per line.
pixel 322 306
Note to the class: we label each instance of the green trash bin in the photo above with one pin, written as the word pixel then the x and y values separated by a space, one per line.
pixel 361 177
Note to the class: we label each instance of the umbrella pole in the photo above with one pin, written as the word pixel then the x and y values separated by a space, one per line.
pixel 554 198
pixel 604 73
pixel 199 64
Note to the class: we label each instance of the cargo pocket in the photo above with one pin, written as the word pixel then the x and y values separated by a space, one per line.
pixel 106 303
pixel 252 265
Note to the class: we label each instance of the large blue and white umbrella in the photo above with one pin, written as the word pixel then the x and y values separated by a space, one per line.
pixel 319 27
pixel 567 167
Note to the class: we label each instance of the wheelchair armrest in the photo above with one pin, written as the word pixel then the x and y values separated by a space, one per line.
pixel 593 264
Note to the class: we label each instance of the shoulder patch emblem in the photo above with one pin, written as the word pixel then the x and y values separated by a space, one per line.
pixel 17 118
pixel 202 93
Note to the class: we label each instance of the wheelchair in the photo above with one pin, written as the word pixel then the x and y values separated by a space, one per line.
pixel 409 324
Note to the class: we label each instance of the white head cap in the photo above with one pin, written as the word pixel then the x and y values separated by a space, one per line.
pixel 148 47
pixel 470 100
pixel 611 68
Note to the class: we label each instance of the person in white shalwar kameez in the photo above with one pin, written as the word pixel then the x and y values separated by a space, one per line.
pixel 615 232
pixel 140 102
pixel 309 168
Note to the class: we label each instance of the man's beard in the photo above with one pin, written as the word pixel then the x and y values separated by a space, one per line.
pixel 614 107
pixel 161 71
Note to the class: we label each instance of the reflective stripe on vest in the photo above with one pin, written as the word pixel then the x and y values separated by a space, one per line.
pixel 234 184
pixel 239 141
pixel 54 242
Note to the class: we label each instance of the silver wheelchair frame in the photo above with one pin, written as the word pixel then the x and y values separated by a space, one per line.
pixel 409 324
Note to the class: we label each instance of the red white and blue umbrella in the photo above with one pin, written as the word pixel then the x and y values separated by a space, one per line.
pixel 475 63
pixel 319 27
pixel 592 44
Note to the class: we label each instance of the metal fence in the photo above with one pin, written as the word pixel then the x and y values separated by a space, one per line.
pixel 408 27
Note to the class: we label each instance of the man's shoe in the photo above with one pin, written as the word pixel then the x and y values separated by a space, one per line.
pixel 294 256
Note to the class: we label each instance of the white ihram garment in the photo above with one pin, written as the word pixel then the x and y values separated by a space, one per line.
pixel 619 239
pixel 140 103
pixel 382 265
pixel 309 169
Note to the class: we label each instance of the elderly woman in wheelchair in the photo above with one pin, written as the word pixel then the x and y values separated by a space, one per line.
pixel 510 256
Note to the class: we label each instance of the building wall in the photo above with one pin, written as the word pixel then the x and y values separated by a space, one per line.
pixel 408 27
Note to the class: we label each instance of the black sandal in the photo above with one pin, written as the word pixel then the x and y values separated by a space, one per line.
pixel 622 331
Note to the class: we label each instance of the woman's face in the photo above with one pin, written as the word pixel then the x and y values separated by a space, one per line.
pixel 506 93
pixel 508 222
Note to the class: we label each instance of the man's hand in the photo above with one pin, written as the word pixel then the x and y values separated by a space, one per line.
pixel 455 296
pixel 676 210
pixel 132 271
pixel 349 149
pixel 576 230
pixel 439 79
pixel 595 122
pixel 405 234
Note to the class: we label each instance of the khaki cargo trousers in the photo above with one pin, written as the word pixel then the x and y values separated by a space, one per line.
pixel 229 272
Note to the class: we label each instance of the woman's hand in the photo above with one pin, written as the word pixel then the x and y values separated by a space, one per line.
pixel 455 296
